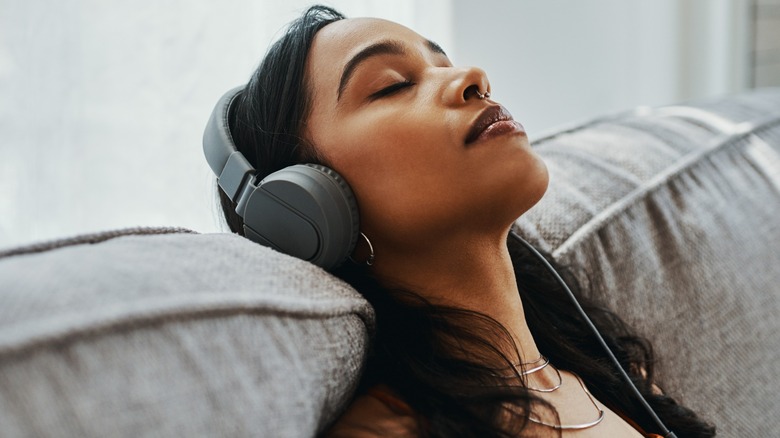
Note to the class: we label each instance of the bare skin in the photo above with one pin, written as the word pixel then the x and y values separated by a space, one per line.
pixel 436 209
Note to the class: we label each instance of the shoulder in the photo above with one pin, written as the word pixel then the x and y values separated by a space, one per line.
pixel 378 413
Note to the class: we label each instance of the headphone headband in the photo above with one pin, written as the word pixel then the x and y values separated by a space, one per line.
pixel 230 166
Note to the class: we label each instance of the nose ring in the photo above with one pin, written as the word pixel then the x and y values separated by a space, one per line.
pixel 482 96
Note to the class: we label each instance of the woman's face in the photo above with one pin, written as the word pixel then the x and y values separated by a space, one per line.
pixel 392 115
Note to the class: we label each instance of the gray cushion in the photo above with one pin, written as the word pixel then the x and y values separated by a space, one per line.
pixel 174 335
pixel 670 216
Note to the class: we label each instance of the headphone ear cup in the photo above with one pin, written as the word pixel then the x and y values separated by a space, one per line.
pixel 307 211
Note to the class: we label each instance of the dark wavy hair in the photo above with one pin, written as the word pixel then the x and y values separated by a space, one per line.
pixel 442 360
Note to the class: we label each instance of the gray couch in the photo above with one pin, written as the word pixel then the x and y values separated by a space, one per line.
pixel 669 215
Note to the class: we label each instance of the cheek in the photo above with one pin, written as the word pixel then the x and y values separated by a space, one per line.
pixel 397 173
pixel 401 173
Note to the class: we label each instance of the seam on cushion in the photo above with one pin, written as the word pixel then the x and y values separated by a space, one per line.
pixel 93 238
pixel 745 129
pixel 58 331
pixel 766 159
pixel 704 118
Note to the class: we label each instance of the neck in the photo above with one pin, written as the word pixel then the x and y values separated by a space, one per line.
pixel 474 273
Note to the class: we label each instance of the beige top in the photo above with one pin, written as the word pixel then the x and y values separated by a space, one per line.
pixel 381 413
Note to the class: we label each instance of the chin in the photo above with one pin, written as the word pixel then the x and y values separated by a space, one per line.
pixel 528 187
pixel 542 181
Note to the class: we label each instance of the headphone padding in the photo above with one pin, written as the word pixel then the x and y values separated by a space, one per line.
pixel 301 203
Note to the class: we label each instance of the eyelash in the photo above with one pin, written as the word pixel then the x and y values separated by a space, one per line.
pixel 387 91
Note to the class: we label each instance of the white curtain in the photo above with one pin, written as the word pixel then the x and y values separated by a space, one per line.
pixel 103 103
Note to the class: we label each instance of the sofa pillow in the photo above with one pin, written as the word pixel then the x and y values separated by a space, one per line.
pixel 178 334
pixel 670 217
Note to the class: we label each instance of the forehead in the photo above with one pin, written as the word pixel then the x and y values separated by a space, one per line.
pixel 352 31
pixel 335 44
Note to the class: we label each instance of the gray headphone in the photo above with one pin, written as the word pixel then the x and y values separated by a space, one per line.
pixel 306 210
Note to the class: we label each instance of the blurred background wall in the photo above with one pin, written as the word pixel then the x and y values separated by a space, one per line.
pixel 102 104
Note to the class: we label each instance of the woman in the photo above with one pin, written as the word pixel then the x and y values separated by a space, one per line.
pixel 472 339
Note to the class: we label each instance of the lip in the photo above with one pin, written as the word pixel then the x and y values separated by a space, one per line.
pixel 493 121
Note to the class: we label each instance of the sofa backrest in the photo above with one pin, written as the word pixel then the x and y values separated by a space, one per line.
pixel 174 335
pixel 671 217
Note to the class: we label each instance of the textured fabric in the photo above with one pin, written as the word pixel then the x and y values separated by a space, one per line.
pixel 174 335
pixel 670 217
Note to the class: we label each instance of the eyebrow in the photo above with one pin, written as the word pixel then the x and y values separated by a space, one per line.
pixel 389 47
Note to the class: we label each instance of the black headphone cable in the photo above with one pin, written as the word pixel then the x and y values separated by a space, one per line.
pixel 635 392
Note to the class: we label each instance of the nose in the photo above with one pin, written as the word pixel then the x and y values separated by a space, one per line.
pixel 465 83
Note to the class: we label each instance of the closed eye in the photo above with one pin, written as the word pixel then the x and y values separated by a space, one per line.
pixel 387 91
